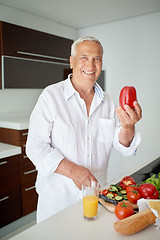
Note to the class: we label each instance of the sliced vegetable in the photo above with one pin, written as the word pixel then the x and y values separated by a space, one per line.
pixel 125 197
pixel 113 188
pixel 104 192
pixel 123 192
pixel 126 181
pixel 110 195
pixel 118 198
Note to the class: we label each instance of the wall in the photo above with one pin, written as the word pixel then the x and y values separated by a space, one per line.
pixel 132 57
pixel 18 100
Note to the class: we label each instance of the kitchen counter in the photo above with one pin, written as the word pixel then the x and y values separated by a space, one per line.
pixel 7 150
pixel 70 224
pixel 14 122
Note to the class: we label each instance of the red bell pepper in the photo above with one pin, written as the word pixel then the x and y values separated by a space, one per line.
pixel 127 96
pixel 148 191
pixel 126 181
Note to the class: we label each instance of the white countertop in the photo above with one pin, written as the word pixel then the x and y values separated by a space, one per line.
pixel 70 224
pixel 14 122
pixel 7 150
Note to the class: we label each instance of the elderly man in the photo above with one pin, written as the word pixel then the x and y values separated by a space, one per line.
pixel 73 128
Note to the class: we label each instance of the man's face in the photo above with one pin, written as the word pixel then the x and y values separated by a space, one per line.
pixel 87 63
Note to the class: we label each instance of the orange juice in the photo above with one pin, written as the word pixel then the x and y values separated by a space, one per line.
pixel 90 206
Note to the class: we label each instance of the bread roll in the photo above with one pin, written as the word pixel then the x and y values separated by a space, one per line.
pixel 135 223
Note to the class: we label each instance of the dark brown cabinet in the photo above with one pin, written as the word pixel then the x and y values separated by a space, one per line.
pixel 31 59
pixel 10 191
pixel 25 171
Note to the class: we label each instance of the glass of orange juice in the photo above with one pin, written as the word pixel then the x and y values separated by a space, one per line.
pixel 90 200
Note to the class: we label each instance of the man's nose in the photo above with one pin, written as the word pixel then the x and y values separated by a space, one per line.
pixel 90 63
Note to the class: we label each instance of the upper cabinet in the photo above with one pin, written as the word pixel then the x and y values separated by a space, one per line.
pixel 30 58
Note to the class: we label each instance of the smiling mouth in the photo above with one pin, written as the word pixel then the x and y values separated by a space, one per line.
pixel 89 73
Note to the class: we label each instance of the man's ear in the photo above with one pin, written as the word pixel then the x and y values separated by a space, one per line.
pixel 71 62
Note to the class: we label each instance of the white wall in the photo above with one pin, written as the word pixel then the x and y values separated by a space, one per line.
pixel 132 57
pixel 18 100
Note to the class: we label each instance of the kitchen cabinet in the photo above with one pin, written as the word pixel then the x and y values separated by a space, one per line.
pixel 10 191
pixel 27 171
pixel 19 44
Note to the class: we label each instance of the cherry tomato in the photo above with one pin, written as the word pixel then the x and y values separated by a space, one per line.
pixel 131 188
pixel 133 196
pixel 123 210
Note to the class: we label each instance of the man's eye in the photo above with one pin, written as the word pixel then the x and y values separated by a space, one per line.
pixel 98 59
pixel 83 58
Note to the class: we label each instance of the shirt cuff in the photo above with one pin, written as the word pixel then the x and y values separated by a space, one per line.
pixel 53 161
pixel 127 151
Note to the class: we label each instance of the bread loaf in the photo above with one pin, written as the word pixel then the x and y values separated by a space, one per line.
pixel 135 223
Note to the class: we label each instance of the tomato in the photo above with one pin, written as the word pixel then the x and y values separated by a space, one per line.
pixel 127 96
pixel 133 196
pixel 131 188
pixel 148 191
pixel 123 210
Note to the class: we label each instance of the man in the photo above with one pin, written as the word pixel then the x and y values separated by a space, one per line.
pixel 72 130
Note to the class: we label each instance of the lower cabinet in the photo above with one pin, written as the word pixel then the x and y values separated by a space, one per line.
pixel 17 175
pixel 28 178
pixel 10 190
pixel 10 207
pixel 18 196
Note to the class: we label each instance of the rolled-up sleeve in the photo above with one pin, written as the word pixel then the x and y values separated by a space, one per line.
pixel 39 147
pixel 127 151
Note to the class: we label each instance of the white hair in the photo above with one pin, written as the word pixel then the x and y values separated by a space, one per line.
pixel 89 38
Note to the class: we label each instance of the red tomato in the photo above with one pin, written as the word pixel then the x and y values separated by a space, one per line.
pixel 131 188
pixel 148 191
pixel 123 210
pixel 133 196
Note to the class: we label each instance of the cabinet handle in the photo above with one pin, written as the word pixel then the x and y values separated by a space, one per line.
pixel 30 188
pixel 3 199
pixel 25 134
pixel 25 157
pixel 31 171
pixel 42 56
pixel 24 145
pixel 4 162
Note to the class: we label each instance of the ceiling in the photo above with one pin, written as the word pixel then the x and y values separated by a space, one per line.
pixel 84 13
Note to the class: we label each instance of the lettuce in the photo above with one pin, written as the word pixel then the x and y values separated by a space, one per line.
pixel 154 180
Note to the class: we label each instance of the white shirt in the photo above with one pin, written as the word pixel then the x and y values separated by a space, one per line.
pixel 59 127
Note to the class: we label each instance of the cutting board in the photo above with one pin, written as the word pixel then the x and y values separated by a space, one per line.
pixel 110 206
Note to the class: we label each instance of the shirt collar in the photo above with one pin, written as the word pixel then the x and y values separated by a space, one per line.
pixel 99 91
pixel 68 87
pixel 70 90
